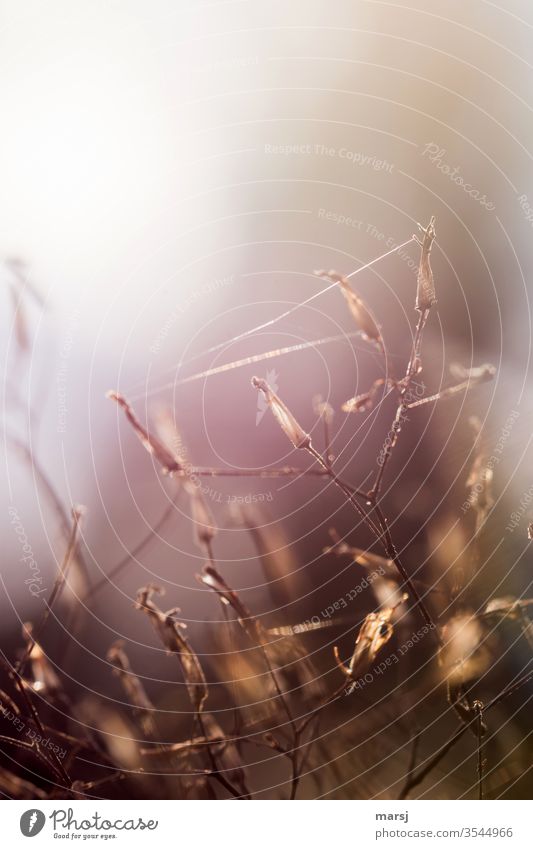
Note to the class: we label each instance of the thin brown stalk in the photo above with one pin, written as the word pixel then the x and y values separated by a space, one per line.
pixel 478 708
pixel 415 742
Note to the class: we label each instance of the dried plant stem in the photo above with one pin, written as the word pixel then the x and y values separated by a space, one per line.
pixel 457 735
pixel 382 534
pixel 415 742
pixel 478 708
pixel 281 472
pixel 403 405
pixel 293 753
pixel 393 555
pixel 349 492
pixel 216 771
pixel 16 677
pixel 449 392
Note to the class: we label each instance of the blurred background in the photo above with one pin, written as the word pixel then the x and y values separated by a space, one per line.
pixel 172 175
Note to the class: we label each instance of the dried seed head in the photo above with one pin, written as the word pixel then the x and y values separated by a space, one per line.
pixel 285 419
pixel 360 312
pixel 464 654
pixel 43 675
pixel 169 463
pixel 375 631
pixel 478 374
pixel 212 578
pixel 425 292
pixel 170 633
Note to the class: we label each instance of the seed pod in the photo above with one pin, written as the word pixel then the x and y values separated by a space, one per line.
pixel 375 631
pixel 214 580
pixel 425 292
pixel 284 417
pixel 169 631
pixel 168 461
pixel 362 315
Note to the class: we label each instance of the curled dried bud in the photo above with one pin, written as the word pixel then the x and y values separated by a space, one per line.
pixel 530 531
pixel 363 403
pixel 168 461
pixel 425 292
pixel 170 631
pixel 284 417
pixel 362 315
pixel 359 404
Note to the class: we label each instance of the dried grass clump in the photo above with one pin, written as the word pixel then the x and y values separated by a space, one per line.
pixel 272 683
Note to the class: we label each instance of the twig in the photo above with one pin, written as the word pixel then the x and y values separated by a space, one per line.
pixel 415 742
pixel 478 708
